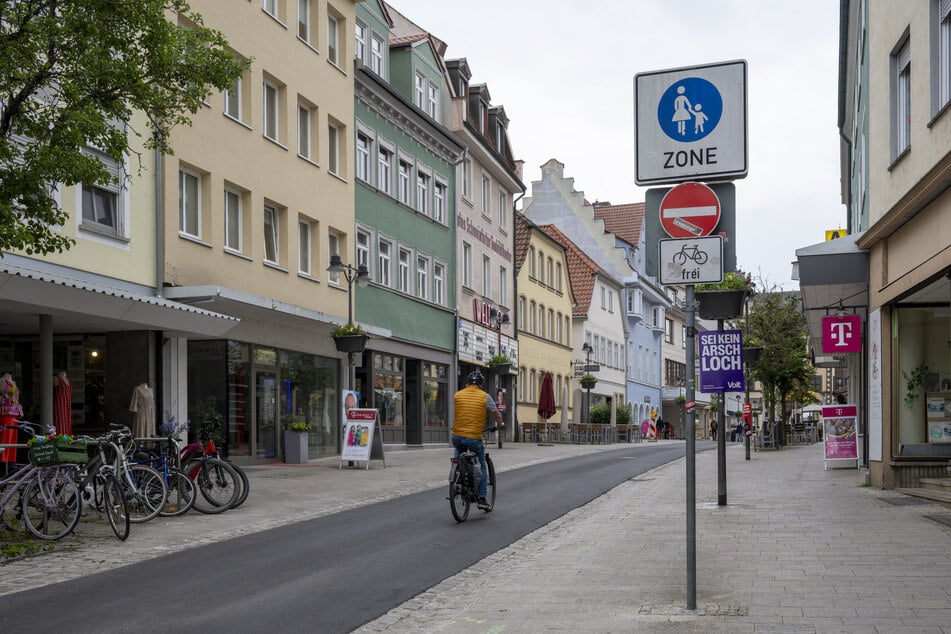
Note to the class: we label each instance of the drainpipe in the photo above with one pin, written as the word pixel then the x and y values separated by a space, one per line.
pixel 159 226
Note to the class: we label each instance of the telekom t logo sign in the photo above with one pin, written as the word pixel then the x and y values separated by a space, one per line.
pixel 841 334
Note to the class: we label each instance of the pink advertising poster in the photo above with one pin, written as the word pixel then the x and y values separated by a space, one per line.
pixel 839 432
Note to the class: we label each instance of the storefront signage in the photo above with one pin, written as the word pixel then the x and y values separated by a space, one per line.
pixel 839 433
pixel 465 223
pixel 721 361
pixel 358 435
pixel 841 333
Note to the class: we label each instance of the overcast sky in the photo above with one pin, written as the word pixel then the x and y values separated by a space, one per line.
pixel 564 72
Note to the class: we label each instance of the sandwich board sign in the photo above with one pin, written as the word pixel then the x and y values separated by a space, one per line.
pixel 691 124
pixel 361 437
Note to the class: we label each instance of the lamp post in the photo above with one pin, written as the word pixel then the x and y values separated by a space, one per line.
pixel 586 347
pixel 497 319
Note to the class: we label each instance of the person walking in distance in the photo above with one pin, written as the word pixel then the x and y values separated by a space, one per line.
pixel 473 406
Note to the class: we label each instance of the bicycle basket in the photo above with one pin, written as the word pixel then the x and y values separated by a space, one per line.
pixel 59 452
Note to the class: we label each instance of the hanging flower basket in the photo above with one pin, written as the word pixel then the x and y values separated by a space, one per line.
pixel 588 381
pixel 350 343
pixel 721 304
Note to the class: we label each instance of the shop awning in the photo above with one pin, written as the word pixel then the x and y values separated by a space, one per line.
pixel 833 278
pixel 85 302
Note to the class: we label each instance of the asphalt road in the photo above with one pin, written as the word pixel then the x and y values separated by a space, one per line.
pixel 330 574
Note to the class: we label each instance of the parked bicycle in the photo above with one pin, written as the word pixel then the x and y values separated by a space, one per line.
pixel 43 499
pixel 163 457
pixel 464 477
pixel 219 482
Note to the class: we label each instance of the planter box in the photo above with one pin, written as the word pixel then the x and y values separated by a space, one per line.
pixel 50 453
pixel 720 304
pixel 295 447
pixel 588 384
pixel 350 343
pixel 501 368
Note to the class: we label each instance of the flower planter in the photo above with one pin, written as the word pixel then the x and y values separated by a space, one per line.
pixel 720 304
pixel 588 384
pixel 350 343
pixel 501 368
pixel 295 447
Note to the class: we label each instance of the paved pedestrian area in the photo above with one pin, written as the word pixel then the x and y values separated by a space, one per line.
pixel 797 549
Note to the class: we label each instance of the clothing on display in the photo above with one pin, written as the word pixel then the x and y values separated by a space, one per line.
pixel 62 404
pixel 10 411
pixel 143 406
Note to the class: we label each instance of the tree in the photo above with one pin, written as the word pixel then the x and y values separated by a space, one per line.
pixel 73 73
pixel 777 324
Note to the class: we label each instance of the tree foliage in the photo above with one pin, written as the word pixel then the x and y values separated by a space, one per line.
pixel 777 324
pixel 73 74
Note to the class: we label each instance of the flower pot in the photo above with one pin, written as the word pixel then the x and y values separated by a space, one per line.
pixel 295 447
pixel 720 304
pixel 350 343
pixel 502 368
pixel 588 384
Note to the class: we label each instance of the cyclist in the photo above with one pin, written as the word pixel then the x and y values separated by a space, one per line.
pixel 473 406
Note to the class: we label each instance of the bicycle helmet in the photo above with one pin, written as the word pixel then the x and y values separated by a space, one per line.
pixel 475 378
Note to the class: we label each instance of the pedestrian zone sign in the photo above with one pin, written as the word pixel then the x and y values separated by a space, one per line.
pixel 691 124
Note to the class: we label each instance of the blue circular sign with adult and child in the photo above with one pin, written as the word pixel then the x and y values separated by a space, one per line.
pixel 689 109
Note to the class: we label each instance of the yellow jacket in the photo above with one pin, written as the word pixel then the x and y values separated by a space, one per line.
pixel 472 408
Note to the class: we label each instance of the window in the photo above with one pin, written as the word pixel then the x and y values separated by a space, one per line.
pixel 102 203
pixel 403 191
pixel 303 20
pixel 541 267
pixel 604 295
pixel 333 148
pixel 486 200
pixel 467 177
pixel 402 279
pixel 422 193
pixel 503 285
pixel 531 317
pixel 467 265
pixel 558 276
pixel 271 234
pixel 551 323
pixel 683 336
pixel 635 302
pixel 432 105
pixel 561 329
pixel 439 283
pixel 422 277
pixel 333 37
pixel 364 145
pixel 669 331
pixel 376 55
pixel 610 301
pixel 901 107
pixel 333 248
pixel 233 220
pixel 303 246
pixel 233 100
pixel 189 203
pixel 439 202
pixel 271 8
pixel 360 41
pixel 363 248
pixel 303 130
pixel 541 320
pixel 384 257
pixel 532 385
pixel 531 262
pixel 486 276
pixel 384 171
pixel 503 208
pixel 521 312
pixel 943 43
pixel 419 90
pixel 272 108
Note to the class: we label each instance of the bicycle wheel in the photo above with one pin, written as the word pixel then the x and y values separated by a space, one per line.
pixel 181 494
pixel 458 496
pixel 11 515
pixel 114 506
pixel 145 492
pixel 245 485
pixel 217 484
pixel 51 506
pixel 490 485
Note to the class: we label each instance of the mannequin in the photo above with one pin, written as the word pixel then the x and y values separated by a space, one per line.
pixel 62 404
pixel 143 406
pixel 10 410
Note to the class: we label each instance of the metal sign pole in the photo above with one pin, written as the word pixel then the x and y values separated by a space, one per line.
pixel 691 362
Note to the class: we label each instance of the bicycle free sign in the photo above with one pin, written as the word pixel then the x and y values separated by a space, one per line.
pixel 691 260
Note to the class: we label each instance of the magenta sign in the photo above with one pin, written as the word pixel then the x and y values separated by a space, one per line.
pixel 841 334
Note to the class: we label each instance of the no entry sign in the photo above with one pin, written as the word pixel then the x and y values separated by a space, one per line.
pixel 690 210
pixel 721 360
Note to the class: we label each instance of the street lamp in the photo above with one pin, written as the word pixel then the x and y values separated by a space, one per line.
pixel 360 274
pixel 587 349
pixel 497 319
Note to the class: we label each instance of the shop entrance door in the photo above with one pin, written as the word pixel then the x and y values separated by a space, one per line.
pixel 265 421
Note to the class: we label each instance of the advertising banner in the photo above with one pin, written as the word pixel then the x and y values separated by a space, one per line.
pixel 721 360
pixel 358 431
pixel 839 432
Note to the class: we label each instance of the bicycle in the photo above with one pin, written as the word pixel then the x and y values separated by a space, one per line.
pixel 106 496
pixel 181 489
pixel 464 476
pixel 48 501
pixel 218 480
pixel 205 444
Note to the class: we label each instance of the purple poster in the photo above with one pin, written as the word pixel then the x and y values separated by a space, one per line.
pixel 838 432
pixel 721 360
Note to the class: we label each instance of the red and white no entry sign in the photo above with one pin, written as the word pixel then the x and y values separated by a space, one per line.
pixel 690 210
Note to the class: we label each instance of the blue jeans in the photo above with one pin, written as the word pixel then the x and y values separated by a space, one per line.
pixel 460 443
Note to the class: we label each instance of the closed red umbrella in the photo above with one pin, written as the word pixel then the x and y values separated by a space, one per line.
pixel 546 400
